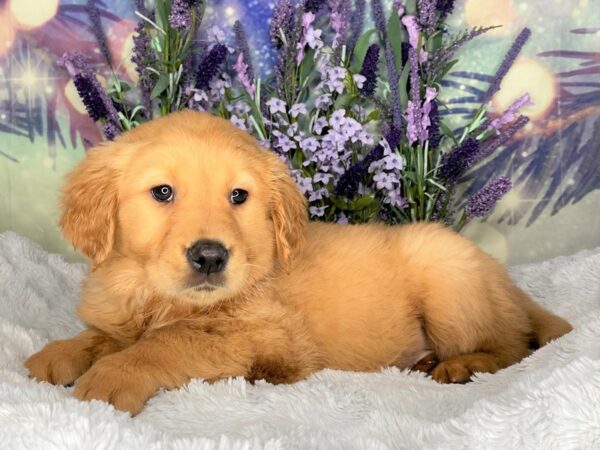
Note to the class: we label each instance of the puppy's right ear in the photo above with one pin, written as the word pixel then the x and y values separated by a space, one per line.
pixel 90 198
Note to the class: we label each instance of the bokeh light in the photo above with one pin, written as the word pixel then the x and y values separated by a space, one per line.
pixel 485 13
pixel 33 13
pixel 530 76
pixel 7 34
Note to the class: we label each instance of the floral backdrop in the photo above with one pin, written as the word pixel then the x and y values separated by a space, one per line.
pixel 553 162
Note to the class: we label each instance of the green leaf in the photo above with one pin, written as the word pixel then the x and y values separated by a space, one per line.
pixel 161 85
pixel 448 68
pixel 395 36
pixel 410 6
pixel 360 49
pixel 448 132
pixel 403 86
pixel 362 202
pixel 307 66
pixel 373 115
pixel 156 45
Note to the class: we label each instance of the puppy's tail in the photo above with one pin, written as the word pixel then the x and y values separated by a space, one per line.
pixel 546 325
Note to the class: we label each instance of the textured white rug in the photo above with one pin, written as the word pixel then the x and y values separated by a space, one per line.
pixel 550 400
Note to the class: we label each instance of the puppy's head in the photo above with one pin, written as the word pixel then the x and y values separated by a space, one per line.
pixel 193 201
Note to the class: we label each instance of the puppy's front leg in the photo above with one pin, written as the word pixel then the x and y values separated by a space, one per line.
pixel 170 356
pixel 62 362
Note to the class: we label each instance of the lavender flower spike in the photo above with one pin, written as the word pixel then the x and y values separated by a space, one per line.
pixel 242 71
pixel 482 203
pixel 312 6
pixel 242 46
pixel 505 136
pixel 507 63
pixel 210 66
pixel 96 102
pixel 94 15
pixel 413 109
pixel 458 160
pixel 379 18
pixel 369 70
pixel 510 114
pixel 180 17
pixel 357 22
pixel 281 20
pixel 390 59
pixel 427 12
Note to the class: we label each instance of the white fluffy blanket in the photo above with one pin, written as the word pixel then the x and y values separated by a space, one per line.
pixel 550 400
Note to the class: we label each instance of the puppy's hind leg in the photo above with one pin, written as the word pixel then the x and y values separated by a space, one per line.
pixel 474 330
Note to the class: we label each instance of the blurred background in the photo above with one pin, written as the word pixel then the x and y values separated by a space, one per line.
pixel 554 163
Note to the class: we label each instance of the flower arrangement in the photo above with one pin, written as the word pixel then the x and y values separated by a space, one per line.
pixel 356 114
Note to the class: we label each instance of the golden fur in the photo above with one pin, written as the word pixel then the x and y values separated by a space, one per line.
pixel 297 296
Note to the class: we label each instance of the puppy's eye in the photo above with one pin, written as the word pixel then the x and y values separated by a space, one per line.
pixel 238 196
pixel 162 193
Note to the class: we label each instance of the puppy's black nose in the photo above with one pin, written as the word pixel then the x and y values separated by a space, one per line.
pixel 207 256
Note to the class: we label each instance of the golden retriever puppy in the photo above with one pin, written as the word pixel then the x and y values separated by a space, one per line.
pixel 204 265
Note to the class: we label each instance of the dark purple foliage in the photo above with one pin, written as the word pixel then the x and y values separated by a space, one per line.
pixel 369 70
pixel 91 98
pixel 210 66
pixel 458 160
pixel 445 8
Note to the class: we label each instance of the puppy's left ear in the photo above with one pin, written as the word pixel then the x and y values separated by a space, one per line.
pixel 288 212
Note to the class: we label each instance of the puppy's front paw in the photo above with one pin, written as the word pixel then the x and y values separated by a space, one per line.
pixel 59 362
pixel 109 381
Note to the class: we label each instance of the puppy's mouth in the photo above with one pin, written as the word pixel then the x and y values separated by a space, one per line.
pixel 205 288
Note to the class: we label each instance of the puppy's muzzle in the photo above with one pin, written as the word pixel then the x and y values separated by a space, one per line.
pixel 207 257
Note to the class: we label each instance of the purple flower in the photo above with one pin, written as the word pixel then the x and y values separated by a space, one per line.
pixel 337 119
pixel 359 80
pixel 97 103
pixel 348 184
pixel 215 35
pixel 210 66
pixel 323 101
pixel 242 71
pixel 320 123
pixel 297 109
pixel 427 11
pixel 317 211
pixel 321 177
pixel 430 95
pixel 445 8
pixel 482 203
pixel 413 109
pixel 410 22
pixel 281 20
pixel 507 63
pixel 238 122
pixel 510 114
pixel 435 137
pixel 369 70
pixel 276 105
pixel 340 20
pixel 393 78
pixel 309 145
pixel 94 16
pixel 242 45
pixel 312 6
pixel 111 131
pixel 356 23
pixel 379 17
pixel 384 181
pixel 180 17
pixel 458 160
pixel 504 136
pixel 395 199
